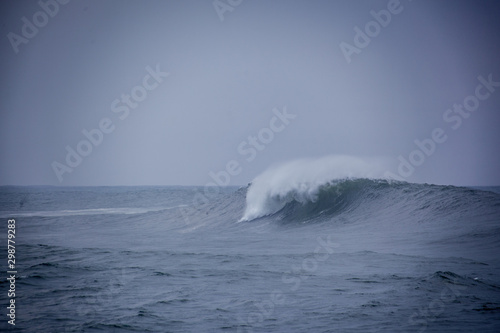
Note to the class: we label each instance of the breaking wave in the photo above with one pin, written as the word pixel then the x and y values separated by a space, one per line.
pixel 306 181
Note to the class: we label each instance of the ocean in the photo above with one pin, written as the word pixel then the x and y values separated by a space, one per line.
pixel 345 255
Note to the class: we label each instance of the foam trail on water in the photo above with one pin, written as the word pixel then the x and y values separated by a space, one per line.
pixel 301 179
pixel 91 211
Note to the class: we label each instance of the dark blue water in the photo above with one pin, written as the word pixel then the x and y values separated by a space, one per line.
pixel 357 256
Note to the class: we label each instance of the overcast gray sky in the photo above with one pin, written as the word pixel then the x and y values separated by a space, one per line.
pixel 70 67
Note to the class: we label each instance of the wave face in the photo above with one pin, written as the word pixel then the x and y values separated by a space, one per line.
pixel 350 191
pixel 330 199
pixel 307 181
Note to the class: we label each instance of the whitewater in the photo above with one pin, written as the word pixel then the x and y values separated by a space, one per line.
pixel 318 245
